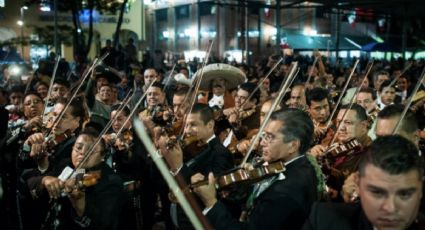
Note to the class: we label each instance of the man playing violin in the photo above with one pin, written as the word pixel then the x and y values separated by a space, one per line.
pixel 156 105
pixel 282 201
pixel 390 186
pixel 123 155
pixel 352 134
pixel 319 110
pixel 243 118
pixel 215 158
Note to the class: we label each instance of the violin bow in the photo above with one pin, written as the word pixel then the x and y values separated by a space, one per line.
pixel 261 82
pixel 104 131
pixel 401 74
pixel 278 99
pixel 51 84
pixel 342 93
pixel 135 107
pixel 91 69
pixel 370 64
pixel 190 208
pixel 197 81
pixel 169 76
pixel 409 101
pixel 311 70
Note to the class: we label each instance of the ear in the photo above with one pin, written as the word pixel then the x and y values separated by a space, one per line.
pixel 295 146
pixel 357 178
pixel 210 124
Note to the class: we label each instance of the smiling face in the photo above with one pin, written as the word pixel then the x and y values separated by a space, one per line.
pixel 105 93
pixel 390 201
pixel 195 126
pixel 155 96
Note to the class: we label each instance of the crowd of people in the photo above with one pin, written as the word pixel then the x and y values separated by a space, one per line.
pixel 339 148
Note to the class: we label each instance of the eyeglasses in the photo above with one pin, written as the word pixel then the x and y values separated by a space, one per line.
pixel 267 137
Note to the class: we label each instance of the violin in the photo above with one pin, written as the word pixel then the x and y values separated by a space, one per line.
pixel 190 145
pixel 125 137
pixel 48 145
pixel 84 180
pixel 161 115
pixel 239 177
pixel 328 160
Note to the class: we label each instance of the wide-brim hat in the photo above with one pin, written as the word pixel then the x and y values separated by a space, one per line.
pixel 103 71
pixel 181 78
pixel 233 76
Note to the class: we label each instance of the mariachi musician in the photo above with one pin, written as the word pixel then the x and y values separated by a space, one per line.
pixel 218 79
pixel 351 139
pixel 122 156
pixel 51 157
pixel 214 158
pixel 319 110
pixel 286 138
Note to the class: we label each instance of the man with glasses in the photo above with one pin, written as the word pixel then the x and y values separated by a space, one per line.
pixel 282 201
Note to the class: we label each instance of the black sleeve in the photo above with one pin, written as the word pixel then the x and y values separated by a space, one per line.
pixel 90 93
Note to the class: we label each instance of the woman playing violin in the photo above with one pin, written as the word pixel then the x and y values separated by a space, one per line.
pixel 100 205
pixel 93 201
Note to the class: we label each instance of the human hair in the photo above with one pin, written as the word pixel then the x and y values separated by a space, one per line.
pixel 361 114
pixel 376 74
pixel 297 125
pixel 153 69
pixel 316 94
pixel 370 91
pixel 393 154
pixel 41 83
pixel 182 91
pixel 77 108
pixel 94 134
pixel 205 112
pixel 250 87
pixel 16 89
pixel 61 81
pixel 158 85
pixel 409 123
pixel 124 110
pixel 35 94
pixel 386 83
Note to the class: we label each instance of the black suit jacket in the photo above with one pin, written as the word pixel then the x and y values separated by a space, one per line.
pixel 215 158
pixel 284 205
pixel 341 216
